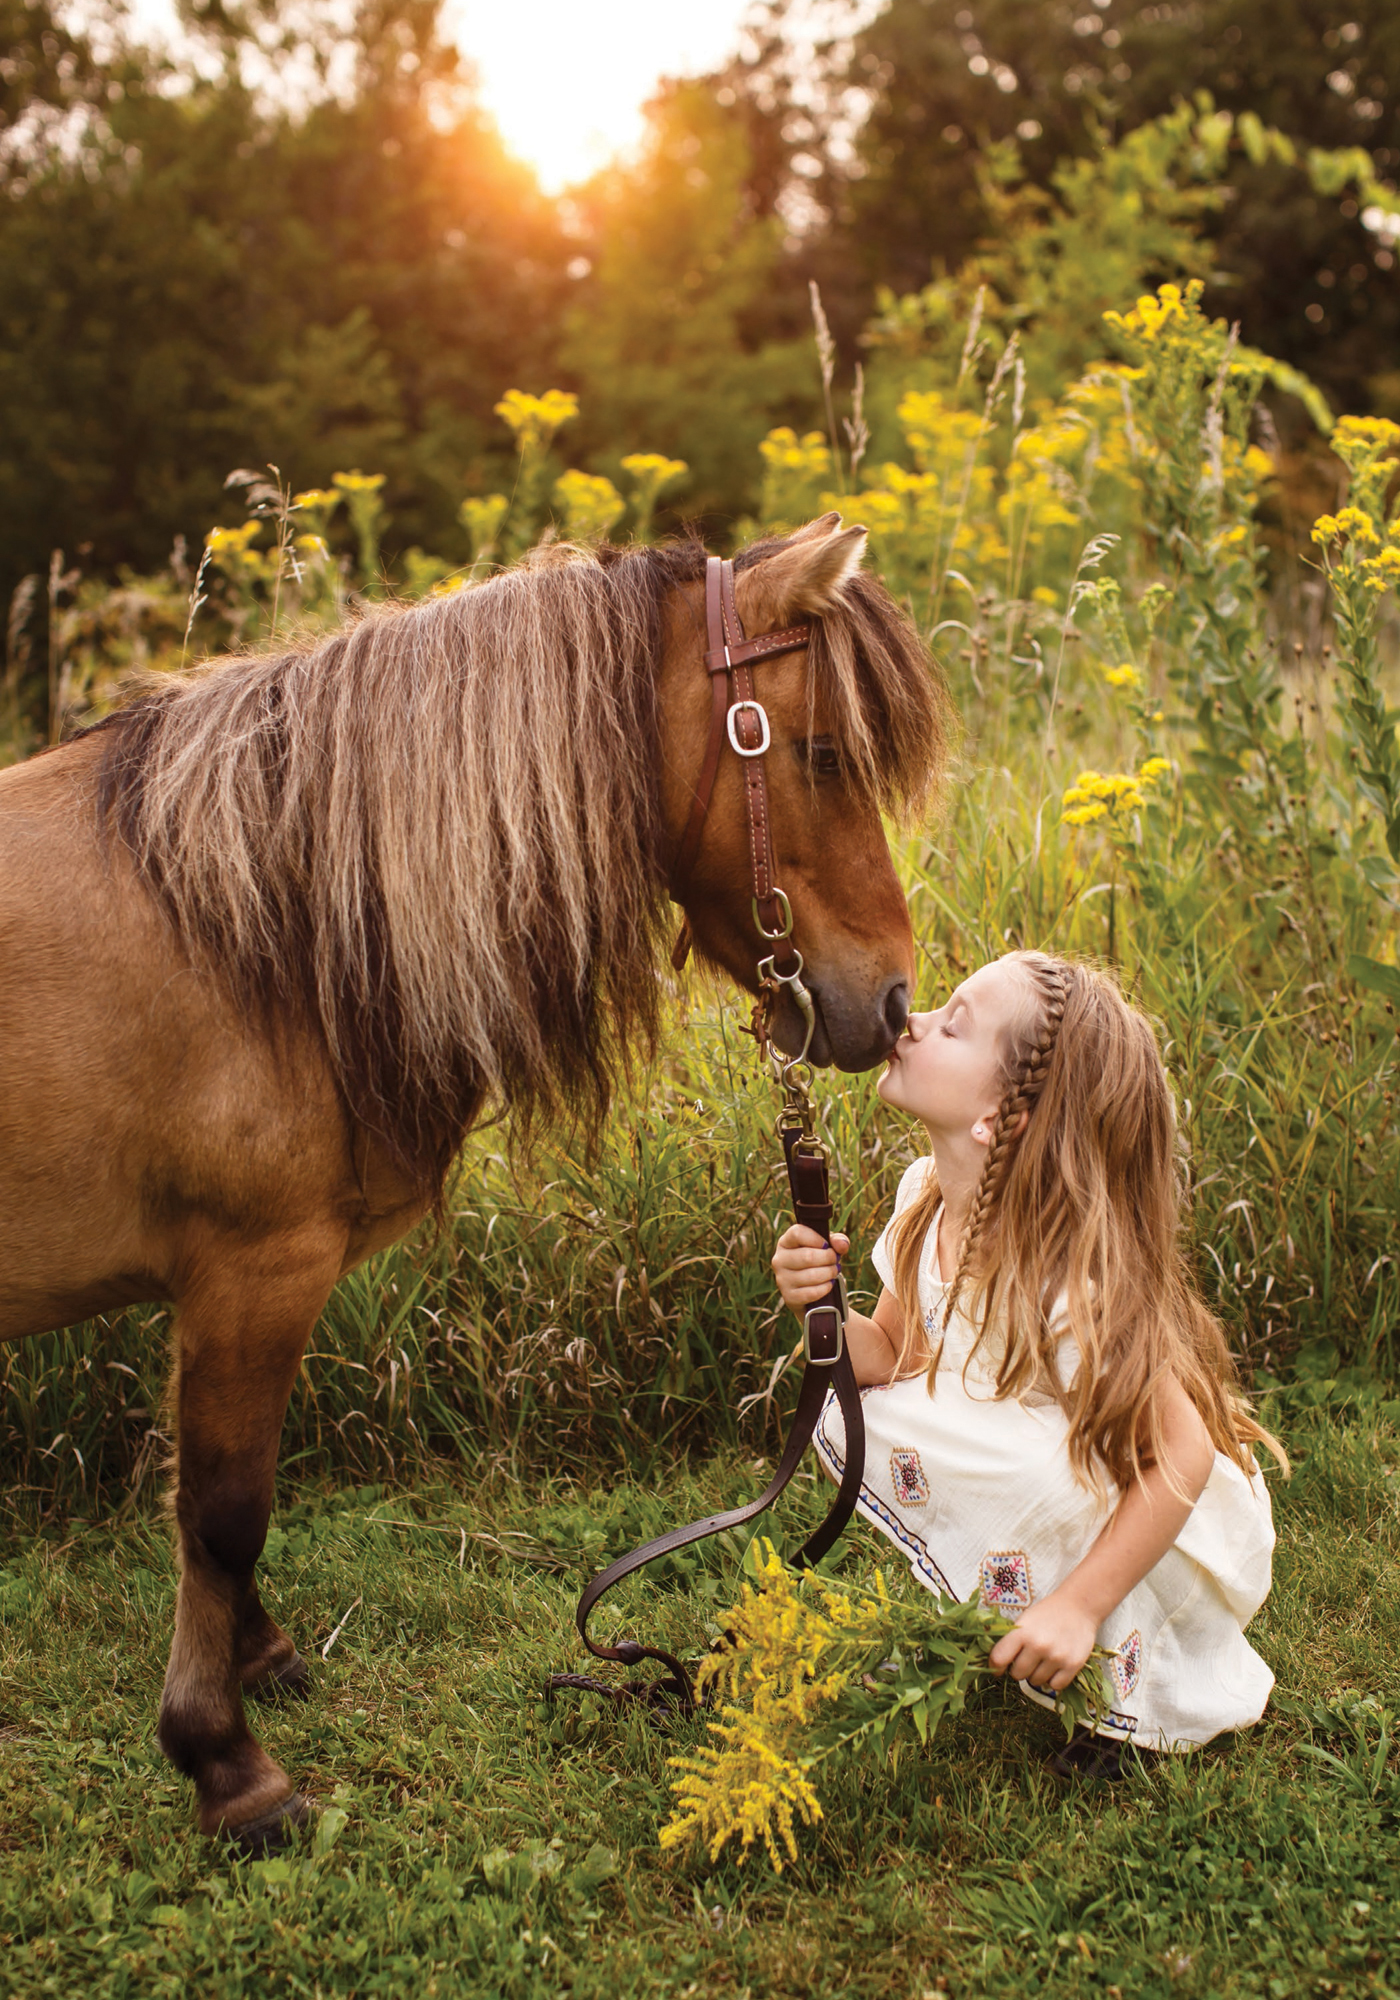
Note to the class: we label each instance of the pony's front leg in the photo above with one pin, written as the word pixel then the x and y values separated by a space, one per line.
pixel 241 1327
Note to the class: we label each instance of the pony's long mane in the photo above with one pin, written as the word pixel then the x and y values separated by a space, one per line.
pixel 435 835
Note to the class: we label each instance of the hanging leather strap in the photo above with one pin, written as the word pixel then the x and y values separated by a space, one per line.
pixel 808 1181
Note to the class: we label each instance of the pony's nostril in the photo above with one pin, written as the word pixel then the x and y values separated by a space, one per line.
pixel 896 1009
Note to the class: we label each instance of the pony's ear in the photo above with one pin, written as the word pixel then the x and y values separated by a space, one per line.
pixel 802 579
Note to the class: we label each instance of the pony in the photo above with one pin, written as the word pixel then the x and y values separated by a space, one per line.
pixel 277 931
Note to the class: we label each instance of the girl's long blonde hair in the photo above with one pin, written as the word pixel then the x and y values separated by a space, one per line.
pixel 1082 1198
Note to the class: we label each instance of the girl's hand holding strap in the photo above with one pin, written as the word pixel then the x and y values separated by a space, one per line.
pixel 805 1267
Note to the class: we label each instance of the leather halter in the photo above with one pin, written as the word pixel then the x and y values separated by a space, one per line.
pixel 736 712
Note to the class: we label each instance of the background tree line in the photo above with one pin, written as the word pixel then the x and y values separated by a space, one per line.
pixel 292 245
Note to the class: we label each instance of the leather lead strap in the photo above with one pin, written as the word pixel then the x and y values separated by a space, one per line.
pixel 807 1178
pixel 729 658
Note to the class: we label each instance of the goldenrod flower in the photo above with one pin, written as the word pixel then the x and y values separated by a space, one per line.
pixel 358 482
pixel 1357 523
pixel 653 468
pixel 482 518
pixel 1369 431
pixel 783 451
pixel 535 419
pixel 1126 676
pixel 591 504
pixel 1095 794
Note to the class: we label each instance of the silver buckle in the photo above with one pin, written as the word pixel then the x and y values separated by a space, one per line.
pixel 825 1359
pixel 773 937
pixel 766 734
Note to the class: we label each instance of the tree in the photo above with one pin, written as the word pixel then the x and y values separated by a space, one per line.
pixel 938 83
pixel 677 339
pixel 202 277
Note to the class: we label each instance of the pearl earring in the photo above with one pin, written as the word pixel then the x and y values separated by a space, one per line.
pixel 979 1130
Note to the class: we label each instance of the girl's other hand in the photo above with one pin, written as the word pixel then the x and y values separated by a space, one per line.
pixel 1051 1642
pixel 805 1265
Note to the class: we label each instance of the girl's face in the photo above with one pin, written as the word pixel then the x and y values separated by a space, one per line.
pixel 945 1069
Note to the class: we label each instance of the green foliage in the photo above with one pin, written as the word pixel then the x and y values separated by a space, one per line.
pixel 948 84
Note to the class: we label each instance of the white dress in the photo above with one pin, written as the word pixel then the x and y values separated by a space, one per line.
pixel 978 1495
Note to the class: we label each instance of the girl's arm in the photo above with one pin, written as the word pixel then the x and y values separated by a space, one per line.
pixel 805 1267
pixel 1055 1637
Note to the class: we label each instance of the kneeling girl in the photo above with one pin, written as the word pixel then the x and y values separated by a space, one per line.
pixel 1052 1415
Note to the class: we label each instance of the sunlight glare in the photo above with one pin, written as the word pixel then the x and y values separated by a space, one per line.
pixel 566 80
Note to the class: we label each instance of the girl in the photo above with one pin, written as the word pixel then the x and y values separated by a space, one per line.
pixel 1052 1414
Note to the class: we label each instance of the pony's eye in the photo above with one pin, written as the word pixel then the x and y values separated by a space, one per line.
pixel 821 756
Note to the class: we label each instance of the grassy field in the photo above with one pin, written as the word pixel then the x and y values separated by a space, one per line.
pixel 472 1842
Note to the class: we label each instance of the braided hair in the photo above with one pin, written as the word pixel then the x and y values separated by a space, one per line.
pixel 1028 1069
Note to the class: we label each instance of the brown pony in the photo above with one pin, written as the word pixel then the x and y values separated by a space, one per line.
pixel 272 935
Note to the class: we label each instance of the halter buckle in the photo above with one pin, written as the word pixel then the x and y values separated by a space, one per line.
pixel 785 929
pixel 765 733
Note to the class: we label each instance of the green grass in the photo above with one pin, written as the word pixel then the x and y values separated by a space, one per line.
pixel 471 1842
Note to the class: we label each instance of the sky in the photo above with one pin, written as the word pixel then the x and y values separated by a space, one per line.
pixel 566 79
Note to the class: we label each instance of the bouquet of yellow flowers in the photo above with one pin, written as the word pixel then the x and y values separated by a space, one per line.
pixel 812 1667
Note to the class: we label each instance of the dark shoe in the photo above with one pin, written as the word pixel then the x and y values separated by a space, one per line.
pixel 1099 1759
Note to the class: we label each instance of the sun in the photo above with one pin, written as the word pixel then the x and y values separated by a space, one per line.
pixel 566 81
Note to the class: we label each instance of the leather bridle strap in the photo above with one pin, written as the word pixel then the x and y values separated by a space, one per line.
pixel 736 712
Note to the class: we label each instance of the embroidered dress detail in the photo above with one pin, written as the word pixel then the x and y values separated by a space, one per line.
pixel 1006 1579
pixel 910 1485
pixel 1125 1668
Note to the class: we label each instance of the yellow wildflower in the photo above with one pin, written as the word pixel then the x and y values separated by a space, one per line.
pixel 591 504
pixel 231 541
pixel 536 418
pixel 1043 594
pixel 357 481
pixel 1257 463
pixel 1096 793
pixel 316 496
pixel 1126 676
pixel 1325 529
pixel 1365 431
pixel 1357 523
pixel 783 450
pixel 1169 307
pixel 482 517
pixel 653 468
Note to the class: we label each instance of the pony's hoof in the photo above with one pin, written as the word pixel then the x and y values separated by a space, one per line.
pixel 289 1682
pixel 271 1830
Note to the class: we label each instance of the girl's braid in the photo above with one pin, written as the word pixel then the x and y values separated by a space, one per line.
pixel 1052 980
